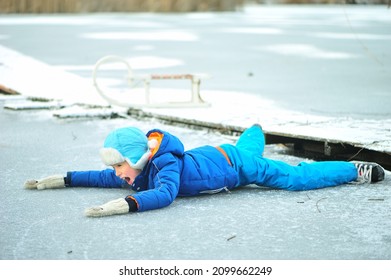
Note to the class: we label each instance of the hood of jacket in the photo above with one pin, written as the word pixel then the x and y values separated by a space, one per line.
pixel 165 143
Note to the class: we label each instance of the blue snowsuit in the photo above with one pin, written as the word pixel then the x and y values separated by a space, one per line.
pixel 172 172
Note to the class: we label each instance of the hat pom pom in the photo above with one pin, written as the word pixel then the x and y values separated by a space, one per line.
pixel 152 144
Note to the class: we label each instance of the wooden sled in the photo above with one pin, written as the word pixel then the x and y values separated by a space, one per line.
pixel 133 80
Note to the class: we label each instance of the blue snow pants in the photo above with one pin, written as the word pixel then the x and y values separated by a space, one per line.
pixel 247 159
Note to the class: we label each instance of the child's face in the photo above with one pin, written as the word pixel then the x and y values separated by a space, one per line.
pixel 125 172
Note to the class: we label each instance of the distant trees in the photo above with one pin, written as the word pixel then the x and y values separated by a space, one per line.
pixel 76 6
pixel 367 2
pixel 90 6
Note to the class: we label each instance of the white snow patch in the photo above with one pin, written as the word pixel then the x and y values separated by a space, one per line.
pixel 173 35
pixel 144 48
pixel 77 111
pixel 352 36
pixel 150 62
pixel 304 50
pixel 253 30
pixel 204 15
pixel 139 62
pixel 36 79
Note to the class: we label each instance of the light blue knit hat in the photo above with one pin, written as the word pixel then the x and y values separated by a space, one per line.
pixel 126 144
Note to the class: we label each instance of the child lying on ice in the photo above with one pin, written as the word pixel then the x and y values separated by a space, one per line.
pixel 156 166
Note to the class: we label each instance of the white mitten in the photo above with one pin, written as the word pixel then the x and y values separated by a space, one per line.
pixel 113 207
pixel 51 182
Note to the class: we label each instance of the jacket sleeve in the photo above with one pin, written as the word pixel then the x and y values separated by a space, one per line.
pixel 166 185
pixel 94 178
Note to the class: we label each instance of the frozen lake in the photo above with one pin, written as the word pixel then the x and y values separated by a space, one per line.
pixel 328 60
pixel 346 222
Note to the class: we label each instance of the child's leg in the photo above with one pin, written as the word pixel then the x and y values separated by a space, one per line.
pixel 252 140
pixel 277 174
pixel 252 168
pixel 305 176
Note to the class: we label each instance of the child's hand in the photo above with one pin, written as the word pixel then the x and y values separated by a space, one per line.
pixel 51 182
pixel 113 207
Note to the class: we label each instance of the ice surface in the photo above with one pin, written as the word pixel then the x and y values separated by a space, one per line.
pixel 345 222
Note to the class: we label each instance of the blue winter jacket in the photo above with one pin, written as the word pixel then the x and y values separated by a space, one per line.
pixel 170 172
